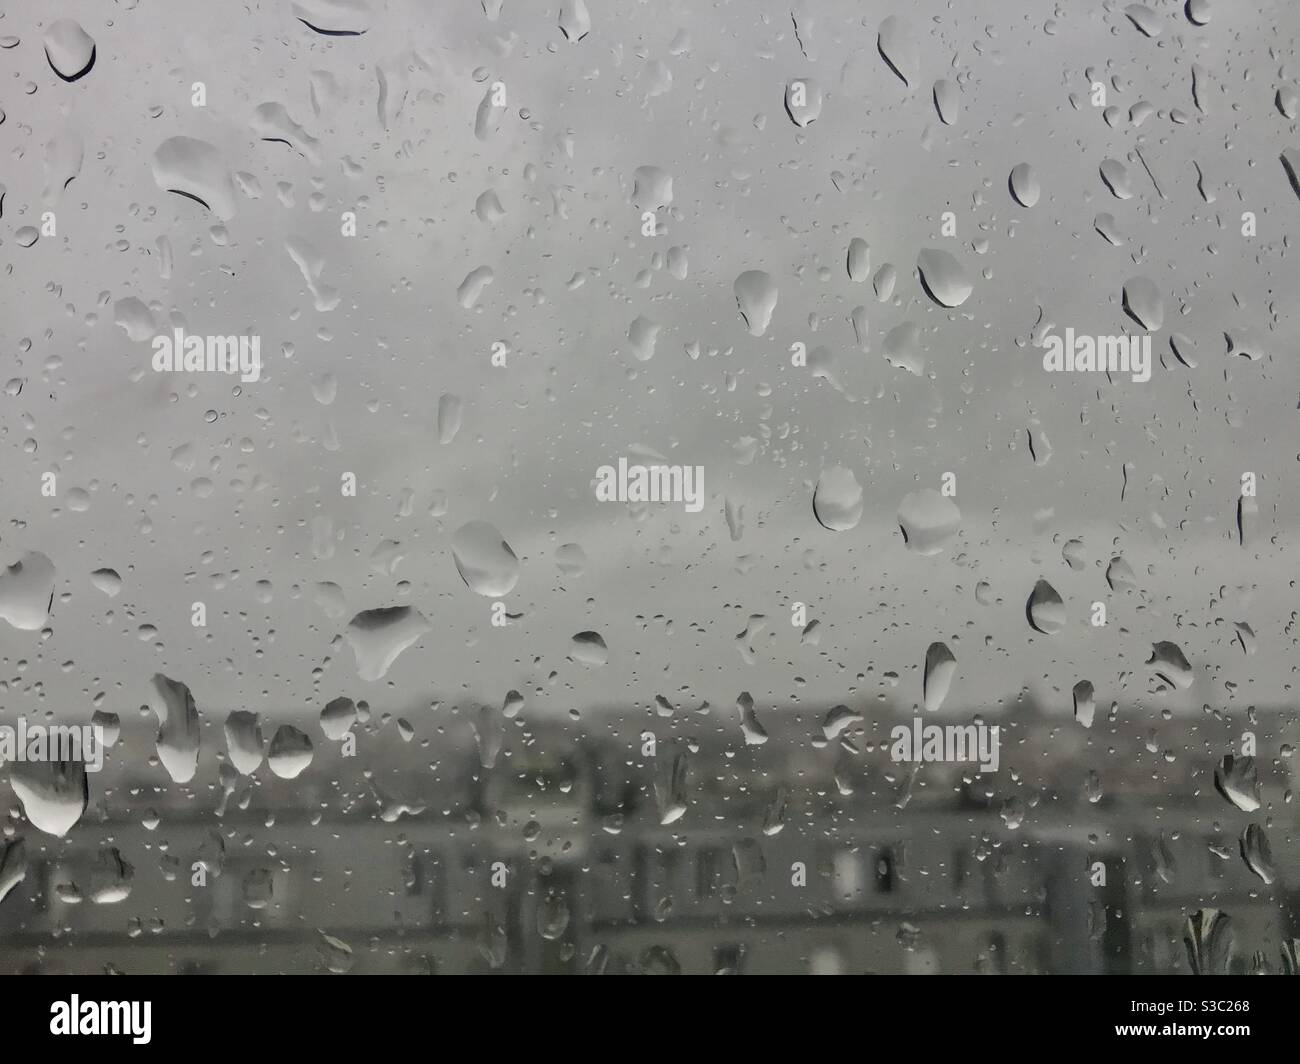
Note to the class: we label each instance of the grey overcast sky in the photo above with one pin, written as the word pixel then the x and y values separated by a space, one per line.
pixel 196 488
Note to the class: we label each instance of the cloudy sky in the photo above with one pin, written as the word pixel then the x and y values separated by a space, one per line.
pixel 195 488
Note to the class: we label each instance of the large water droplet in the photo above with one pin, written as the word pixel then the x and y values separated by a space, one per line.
pixel 27 591
pixel 1023 183
pixel 756 297
pixel 902 348
pixel 928 521
pixel 898 49
pixel 1237 780
pixel 1170 665
pixel 588 648
pixel 244 741
pixel 290 752
pixel 944 278
pixel 484 559
pixel 1115 174
pixel 947 101
pixel 194 168
pixel 837 499
pixel 859 259
pixel 1257 854
pixel 803 101
pixel 178 727
pixel 940 668
pixel 1144 304
pixel 69 49
pixel 54 794
pixel 575 21
pixel 337 718
pixel 1145 19
pixel 1045 610
pixel 378 636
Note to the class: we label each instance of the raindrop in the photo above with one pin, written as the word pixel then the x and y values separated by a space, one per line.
pixel 837 499
pixel 1115 175
pixel 178 727
pixel 898 49
pixel 1144 19
pixel 333 18
pixel 484 559
pixel 1170 665
pixel 1237 781
pixel 928 521
pixel 337 718
pixel 859 259
pixel 1045 610
pixel 378 636
pixel 27 591
pixel 575 21
pixel 803 101
pixel 1023 183
pixel 1143 303
pixel 69 49
pixel 947 101
pixel 449 407
pixel 754 732
pixel 193 168
pixel 1085 703
pixel 943 277
pixel 571 559
pixel 588 648
pixel 54 794
pixel 902 348
pixel 756 297
pixel 290 752
pixel 940 668
pixel 244 741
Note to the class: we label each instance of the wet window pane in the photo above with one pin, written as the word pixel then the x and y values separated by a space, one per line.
pixel 622 487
